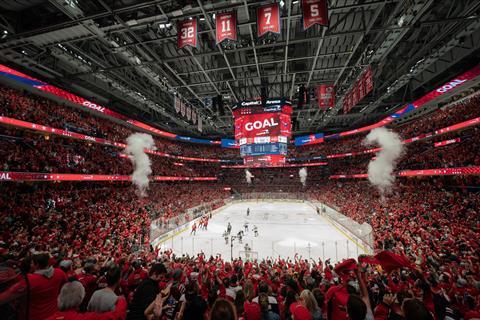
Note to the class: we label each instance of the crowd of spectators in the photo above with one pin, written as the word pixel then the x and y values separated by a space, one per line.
pixel 31 108
pixel 29 152
pixel 82 250
pixel 99 263
pixel 440 118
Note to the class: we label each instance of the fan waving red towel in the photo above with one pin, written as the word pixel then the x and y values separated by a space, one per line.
pixel 388 260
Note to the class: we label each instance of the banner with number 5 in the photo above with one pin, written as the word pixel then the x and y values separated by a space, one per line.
pixel 268 19
pixel 187 33
pixel 226 26
pixel 314 12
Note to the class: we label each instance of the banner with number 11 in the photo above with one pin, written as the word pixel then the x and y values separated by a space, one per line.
pixel 226 26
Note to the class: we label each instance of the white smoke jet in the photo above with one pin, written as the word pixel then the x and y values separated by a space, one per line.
pixel 380 168
pixel 136 145
pixel 303 176
pixel 248 176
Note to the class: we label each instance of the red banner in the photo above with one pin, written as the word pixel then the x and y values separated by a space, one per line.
pixel 187 33
pixel 268 19
pixel 34 176
pixel 314 12
pixel 359 90
pixel 226 26
pixel 326 96
pixel 368 80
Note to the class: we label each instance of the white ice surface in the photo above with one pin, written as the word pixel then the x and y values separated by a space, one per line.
pixel 285 229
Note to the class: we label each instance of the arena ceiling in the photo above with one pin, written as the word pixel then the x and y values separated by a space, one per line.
pixel 123 53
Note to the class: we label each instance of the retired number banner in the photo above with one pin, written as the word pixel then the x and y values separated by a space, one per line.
pixel 187 33
pixel 226 26
pixel 314 12
pixel 268 19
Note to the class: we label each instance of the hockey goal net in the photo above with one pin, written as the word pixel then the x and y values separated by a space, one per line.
pixel 248 255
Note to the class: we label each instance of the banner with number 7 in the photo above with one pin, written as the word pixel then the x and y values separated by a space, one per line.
pixel 226 26
pixel 187 33
pixel 268 19
pixel 314 12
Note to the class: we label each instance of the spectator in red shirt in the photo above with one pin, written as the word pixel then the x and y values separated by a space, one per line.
pixel 41 291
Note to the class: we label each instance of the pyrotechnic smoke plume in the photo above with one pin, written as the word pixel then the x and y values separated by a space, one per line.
pixel 381 168
pixel 303 176
pixel 248 176
pixel 136 145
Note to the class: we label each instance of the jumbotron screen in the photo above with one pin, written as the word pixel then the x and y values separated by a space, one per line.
pixel 262 131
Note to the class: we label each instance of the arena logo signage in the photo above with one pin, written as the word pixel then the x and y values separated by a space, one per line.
pixel 250 103
pixel 249 126
pixel 93 106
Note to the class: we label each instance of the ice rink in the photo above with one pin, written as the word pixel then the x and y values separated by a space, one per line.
pixel 284 228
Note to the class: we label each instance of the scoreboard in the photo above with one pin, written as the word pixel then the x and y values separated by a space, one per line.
pixel 262 130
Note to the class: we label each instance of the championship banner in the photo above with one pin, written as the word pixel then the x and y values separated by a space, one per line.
pixel 200 124
pixel 368 80
pixel 187 33
pixel 355 97
pixel 268 19
pixel 189 113
pixel 178 103
pixel 326 96
pixel 183 109
pixel 346 102
pixel 314 12
pixel 194 117
pixel 226 26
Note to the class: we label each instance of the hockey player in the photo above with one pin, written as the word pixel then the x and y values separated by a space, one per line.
pixel 246 226
pixel 229 228
pixel 255 231
pixel 225 236
pixel 248 212
pixel 239 236
pixel 194 229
